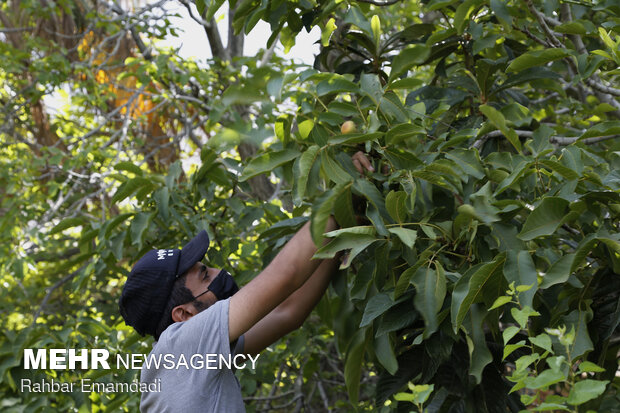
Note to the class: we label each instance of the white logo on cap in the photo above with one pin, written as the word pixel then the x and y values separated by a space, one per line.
pixel 162 254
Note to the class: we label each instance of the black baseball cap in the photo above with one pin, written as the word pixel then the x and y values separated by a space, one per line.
pixel 150 282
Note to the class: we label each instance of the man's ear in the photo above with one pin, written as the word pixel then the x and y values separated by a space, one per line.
pixel 183 312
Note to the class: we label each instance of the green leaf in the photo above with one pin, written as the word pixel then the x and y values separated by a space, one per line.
pixel 551 407
pixel 500 10
pixel 385 353
pixel 572 27
pixel 462 14
pixel 66 224
pixel 578 320
pixel 395 204
pixel 336 84
pixel 306 161
pixel 267 162
pixel 542 341
pixel 139 224
pixel 128 166
pixel 560 169
pixel 353 364
pixel 468 160
pixel 162 200
pixel 354 242
pixel 430 288
pixel 468 290
pixel 402 159
pixel 305 128
pixel 213 7
pixel 375 25
pixel 412 56
pixel 545 379
pixel 114 222
pixel 602 129
pixel 282 129
pixel 545 219
pixel 129 187
pixel 333 170
pixel 586 390
pixel 499 121
pixel 517 173
pixel 421 392
pixel 589 367
pixel 245 94
pixel 327 31
pixel 524 361
pixel 559 272
pixel 509 333
pixel 361 230
pixel 376 306
pixel 200 6
pixel 404 397
pixel 343 210
pixel 274 87
pixel 356 16
pixel 519 268
pixel 354 138
pixel 522 316
pixel 406 235
pixel 403 131
pixel 536 58
pixel 479 354
pixel 500 301
pixel 322 210
pixel 510 348
pixel 372 194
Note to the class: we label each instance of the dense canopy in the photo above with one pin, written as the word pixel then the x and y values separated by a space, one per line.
pixel 484 272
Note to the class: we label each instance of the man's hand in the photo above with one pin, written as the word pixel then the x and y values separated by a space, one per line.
pixel 361 162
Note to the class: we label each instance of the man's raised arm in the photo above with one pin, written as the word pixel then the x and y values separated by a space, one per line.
pixel 288 271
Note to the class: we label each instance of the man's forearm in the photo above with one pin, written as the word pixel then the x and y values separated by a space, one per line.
pixel 300 304
pixel 292 312
pixel 288 271
pixel 297 254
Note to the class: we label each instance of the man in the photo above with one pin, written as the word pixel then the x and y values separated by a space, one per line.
pixel 191 309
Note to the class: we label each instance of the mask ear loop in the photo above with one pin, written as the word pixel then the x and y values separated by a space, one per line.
pixel 203 293
pixel 206 291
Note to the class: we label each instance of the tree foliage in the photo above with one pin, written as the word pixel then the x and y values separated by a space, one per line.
pixel 484 276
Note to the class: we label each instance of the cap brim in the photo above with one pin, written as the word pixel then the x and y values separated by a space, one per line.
pixel 193 252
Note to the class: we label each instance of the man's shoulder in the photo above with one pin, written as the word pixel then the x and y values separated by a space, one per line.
pixel 214 317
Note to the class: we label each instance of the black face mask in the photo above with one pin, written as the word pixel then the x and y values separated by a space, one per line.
pixel 222 286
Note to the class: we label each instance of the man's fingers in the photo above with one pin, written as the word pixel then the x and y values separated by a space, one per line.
pixel 363 162
pixel 358 165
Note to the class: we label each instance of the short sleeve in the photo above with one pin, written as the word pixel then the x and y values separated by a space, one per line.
pixel 206 332
pixel 237 346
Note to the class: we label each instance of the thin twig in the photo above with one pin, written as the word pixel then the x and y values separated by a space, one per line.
pixel 51 289
pixel 558 140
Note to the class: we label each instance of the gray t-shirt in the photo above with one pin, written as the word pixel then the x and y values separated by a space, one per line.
pixel 195 389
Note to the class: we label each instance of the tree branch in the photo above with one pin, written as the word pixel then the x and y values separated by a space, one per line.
pixel 565 141
pixel 558 140
pixel 542 22
pixel 235 42
pixel 213 35
pixel 51 289
pixel 603 92
pixel 601 87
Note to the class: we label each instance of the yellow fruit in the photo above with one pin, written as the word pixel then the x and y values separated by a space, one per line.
pixel 467 210
pixel 347 127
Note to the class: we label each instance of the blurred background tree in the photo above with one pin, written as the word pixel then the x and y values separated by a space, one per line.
pixel 486 278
